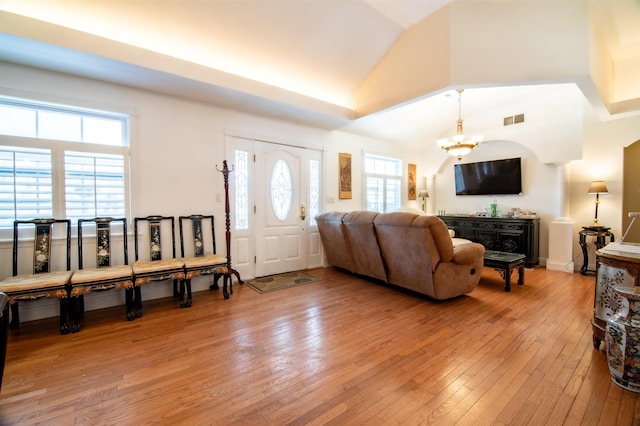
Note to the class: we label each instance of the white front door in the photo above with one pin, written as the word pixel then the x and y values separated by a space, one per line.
pixel 283 240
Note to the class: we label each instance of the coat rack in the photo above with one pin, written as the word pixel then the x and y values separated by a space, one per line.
pixel 225 172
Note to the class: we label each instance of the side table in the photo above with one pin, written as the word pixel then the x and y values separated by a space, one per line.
pixel 504 263
pixel 601 234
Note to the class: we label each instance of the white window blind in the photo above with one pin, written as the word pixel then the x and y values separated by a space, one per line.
pixel 26 185
pixel 383 180
pixel 94 185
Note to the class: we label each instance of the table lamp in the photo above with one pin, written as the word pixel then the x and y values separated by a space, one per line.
pixel 424 194
pixel 597 187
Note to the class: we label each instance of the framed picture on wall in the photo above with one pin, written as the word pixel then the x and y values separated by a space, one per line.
pixel 412 182
pixel 344 183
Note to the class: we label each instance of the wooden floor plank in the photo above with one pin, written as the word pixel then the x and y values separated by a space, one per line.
pixel 341 350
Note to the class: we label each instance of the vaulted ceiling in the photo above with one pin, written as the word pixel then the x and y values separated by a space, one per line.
pixel 386 69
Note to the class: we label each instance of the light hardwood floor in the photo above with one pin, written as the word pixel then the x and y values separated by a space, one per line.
pixel 342 350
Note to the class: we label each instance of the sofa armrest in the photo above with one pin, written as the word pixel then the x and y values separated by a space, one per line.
pixel 335 244
pixel 465 254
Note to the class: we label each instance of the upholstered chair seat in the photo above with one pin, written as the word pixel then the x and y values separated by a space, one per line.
pixel 103 275
pixel 51 282
pixel 204 261
pixel 168 266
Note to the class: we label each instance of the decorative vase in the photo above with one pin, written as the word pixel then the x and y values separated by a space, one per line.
pixel 622 336
pixel 494 209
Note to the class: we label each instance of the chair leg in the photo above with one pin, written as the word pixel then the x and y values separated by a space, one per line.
pixel 15 316
pixel 128 297
pixel 64 309
pixel 215 285
pixel 75 312
pixel 182 286
pixel 178 292
pixel 225 294
pixel 185 283
pixel 138 300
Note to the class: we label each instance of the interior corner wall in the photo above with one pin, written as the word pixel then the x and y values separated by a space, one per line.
pixel 417 64
pixel 631 191
pixel 602 159
pixel 525 41
pixel 600 62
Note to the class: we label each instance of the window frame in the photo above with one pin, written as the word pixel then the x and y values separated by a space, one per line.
pixel 58 148
pixel 386 178
pixel 81 113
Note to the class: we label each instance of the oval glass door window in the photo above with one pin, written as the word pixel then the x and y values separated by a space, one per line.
pixel 281 189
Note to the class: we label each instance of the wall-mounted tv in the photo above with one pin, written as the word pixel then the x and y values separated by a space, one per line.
pixel 496 177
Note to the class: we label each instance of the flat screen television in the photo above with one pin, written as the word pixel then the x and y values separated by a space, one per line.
pixel 496 177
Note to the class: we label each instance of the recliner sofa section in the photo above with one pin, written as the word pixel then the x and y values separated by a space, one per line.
pixel 404 249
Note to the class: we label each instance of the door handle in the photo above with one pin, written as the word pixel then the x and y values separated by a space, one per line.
pixel 303 212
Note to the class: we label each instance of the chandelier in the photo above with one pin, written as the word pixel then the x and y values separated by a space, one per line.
pixel 458 146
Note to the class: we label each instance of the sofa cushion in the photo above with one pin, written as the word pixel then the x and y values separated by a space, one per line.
pixel 441 237
pixel 361 238
pixel 407 247
pixel 334 242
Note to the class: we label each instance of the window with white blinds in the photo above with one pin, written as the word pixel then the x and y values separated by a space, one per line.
pixel 383 180
pixel 94 185
pixel 26 184
pixel 60 161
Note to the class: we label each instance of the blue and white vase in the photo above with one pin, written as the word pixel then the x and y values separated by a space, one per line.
pixel 622 337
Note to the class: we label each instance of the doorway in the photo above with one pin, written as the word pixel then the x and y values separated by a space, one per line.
pixel 278 190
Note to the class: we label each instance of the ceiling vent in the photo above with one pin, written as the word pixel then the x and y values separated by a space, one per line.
pixel 514 119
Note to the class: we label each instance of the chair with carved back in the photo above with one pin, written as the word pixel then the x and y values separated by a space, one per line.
pixel 157 262
pixel 109 269
pixel 49 276
pixel 199 260
pixel 4 332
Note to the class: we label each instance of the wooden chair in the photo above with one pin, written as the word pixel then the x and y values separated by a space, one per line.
pixel 110 272
pixel 154 264
pixel 198 261
pixel 45 280
pixel 4 332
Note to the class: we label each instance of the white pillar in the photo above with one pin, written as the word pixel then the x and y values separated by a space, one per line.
pixel 431 201
pixel 561 228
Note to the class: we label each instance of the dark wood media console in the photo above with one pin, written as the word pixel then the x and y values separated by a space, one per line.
pixel 513 235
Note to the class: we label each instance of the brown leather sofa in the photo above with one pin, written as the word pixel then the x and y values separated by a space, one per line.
pixel 405 249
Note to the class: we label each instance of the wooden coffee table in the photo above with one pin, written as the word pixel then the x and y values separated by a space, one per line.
pixel 504 263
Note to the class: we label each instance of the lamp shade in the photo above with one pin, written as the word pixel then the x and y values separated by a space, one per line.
pixel 598 187
pixel 423 193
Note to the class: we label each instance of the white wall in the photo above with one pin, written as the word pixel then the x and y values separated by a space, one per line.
pixel 176 145
pixel 538 183
pixel 603 145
